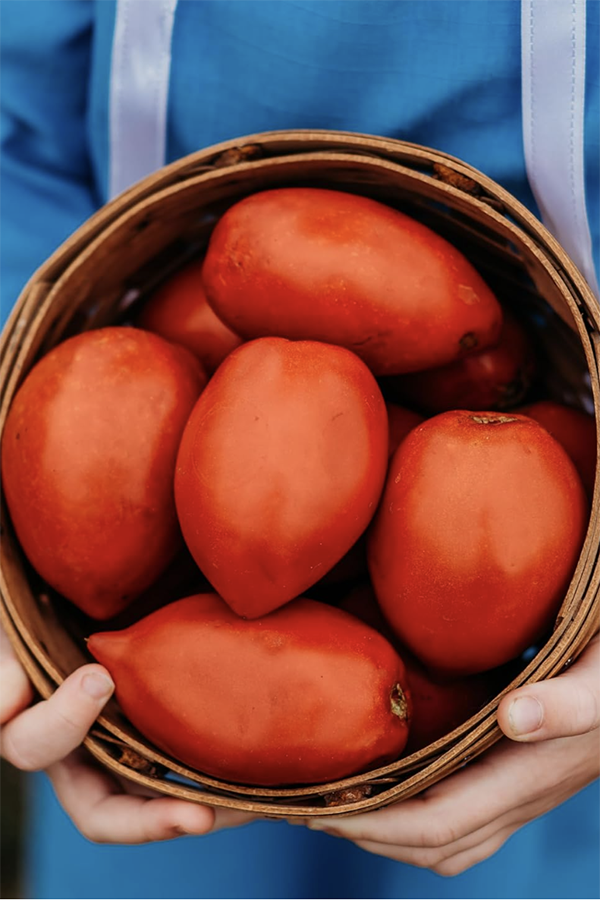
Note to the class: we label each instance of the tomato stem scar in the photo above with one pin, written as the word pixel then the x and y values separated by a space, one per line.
pixel 468 341
pixel 493 420
pixel 398 702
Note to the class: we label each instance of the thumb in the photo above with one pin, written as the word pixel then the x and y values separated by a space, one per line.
pixel 560 707
pixel 50 730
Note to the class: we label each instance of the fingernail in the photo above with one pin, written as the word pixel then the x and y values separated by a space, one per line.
pixel 97 685
pixel 525 715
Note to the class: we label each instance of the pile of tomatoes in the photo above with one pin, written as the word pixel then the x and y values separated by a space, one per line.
pixel 325 411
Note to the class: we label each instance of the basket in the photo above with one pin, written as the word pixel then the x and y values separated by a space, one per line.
pixel 121 253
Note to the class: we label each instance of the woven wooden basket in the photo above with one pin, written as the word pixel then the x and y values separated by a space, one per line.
pixel 138 239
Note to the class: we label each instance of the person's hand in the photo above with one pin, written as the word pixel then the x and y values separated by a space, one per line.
pixel 553 752
pixel 48 736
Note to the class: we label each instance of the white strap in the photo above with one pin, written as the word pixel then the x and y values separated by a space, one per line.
pixel 553 92
pixel 139 87
pixel 553 88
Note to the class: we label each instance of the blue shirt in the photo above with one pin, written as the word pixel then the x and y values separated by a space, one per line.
pixel 443 73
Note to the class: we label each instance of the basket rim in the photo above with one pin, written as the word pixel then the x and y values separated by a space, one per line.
pixel 200 166
pixel 390 148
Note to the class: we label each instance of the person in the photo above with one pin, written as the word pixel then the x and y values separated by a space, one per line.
pixel 94 96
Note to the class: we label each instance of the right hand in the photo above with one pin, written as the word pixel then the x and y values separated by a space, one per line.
pixel 48 735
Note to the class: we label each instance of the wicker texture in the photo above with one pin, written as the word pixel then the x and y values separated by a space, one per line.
pixel 112 262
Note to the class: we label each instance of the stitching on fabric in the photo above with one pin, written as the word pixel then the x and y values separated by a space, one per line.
pixel 120 44
pixel 167 19
pixel 581 228
pixel 160 82
pixel 163 69
pixel 139 76
pixel 153 108
pixel 555 160
pixel 572 161
pixel 531 128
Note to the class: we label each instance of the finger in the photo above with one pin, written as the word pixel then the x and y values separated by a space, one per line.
pixel 103 814
pixel 431 857
pixel 507 787
pixel 231 818
pixel 460 862
pixel 50 730
pixel 17 691
pixel 224 817
pixel 561 707
pixel 459 805
pixel 452 864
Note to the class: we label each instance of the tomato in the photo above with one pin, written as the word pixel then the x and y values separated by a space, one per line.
pixel 441 706
pixel 280 469
pixel 401 421
pixel 88 456
pixel 178 311
pixel 438 707
pixel 574 429
pixel 307 694
pixel 495 378
pixel 477 536
pixel 308 263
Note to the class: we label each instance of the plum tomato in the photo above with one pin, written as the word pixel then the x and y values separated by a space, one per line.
pixel 495 378
pixel 438 707
pixel 574 429
pixel 476 538
pixel 179 312
pixel 306 694
pixel 88 457
pixel 441 706
pixel 280 469
pixel 325 265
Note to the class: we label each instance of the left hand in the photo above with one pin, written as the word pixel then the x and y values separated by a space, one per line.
pixel 47 736
pixel 552 751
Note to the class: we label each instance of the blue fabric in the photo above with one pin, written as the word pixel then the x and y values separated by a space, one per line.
pixel 395 68
pixel 444 73
pixel 555 856
pixel 46 180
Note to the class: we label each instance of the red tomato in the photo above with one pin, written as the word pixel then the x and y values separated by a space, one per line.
pixel 280 469
pixel 441 706
pixel 574 429
pixel 179 312
pixel 306 263
pixel 476 538
pixel 88 456
pixel 496 378
pixel 438 707
pixel 307 694
pixel 401 421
